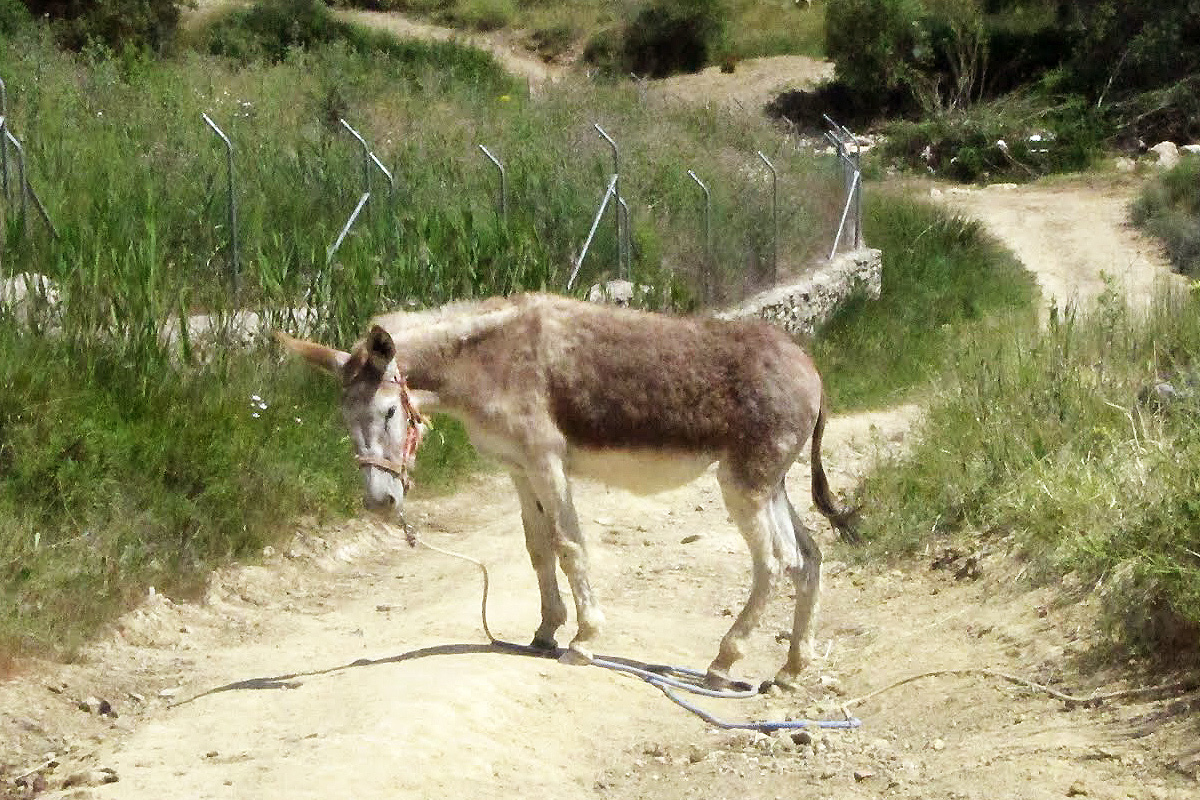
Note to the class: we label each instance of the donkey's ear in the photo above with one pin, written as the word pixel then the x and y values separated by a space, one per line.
pixel 318 355
pixel 380 349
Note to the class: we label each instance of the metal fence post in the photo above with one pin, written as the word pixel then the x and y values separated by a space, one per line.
pixel 20 151
pixel 608 193
pixel 503 185
pixel 707 281
pixel 333 248
pixel 616 192
pixel 233 231
pixel 852 166
pixel 774 217
pixel 370 158
pixel 3 141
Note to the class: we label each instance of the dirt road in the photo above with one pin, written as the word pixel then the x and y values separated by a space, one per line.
pixel 1072 234
pixel 351 666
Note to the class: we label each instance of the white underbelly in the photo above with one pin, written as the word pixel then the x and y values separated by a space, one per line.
pixel 641 471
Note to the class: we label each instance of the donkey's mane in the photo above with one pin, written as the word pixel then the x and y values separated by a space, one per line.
pixel 453 322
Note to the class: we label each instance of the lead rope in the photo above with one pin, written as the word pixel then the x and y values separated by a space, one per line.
pixel 662 676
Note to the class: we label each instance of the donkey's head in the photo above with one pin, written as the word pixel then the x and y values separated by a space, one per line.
pixel 382 414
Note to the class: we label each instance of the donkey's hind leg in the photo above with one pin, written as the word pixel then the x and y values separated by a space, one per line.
pixel 804 568
pixel 539 541
pixel 753 514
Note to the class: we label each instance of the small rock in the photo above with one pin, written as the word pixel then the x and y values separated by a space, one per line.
pixel 802 738
pixel 33 785
pixel 862 774
pixel 695 537
pixel 57 688
pixel 603 521
pixel 1077 789
pixel 137 698
pixel 696 755
pixel 91 777
pixel 268 551
pixel 92 705
pixel 383 607
pixel 1168 154
pixel 170 692
pixel 1124 164
pixel 938 745
pixel 1191 149
pixel 833 684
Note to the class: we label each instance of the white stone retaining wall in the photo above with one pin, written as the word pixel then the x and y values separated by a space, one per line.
pixel 802 307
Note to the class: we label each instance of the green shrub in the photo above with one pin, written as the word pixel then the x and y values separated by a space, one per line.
pixel 873 44
pixel 1169 208
pixel 1013 139
pixel 661 38
pixel 14 17
pixel 483 15
pixel 114 24
pixel 268 29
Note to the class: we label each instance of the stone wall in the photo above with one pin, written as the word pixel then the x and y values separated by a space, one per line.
pixel 803 306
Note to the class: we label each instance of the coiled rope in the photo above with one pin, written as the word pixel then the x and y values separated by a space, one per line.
pixel 667 678
pixel 664 677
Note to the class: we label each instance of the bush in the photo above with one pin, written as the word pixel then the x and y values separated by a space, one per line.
pixel 873 44
pixel 268 29
pixel 662 38
pixel 14 16
pixel 1169 208
pixel 115 24
pixel 1014 139
pixel 483 15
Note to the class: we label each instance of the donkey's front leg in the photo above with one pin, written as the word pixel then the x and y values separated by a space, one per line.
pixel 539 541
pixel 551 487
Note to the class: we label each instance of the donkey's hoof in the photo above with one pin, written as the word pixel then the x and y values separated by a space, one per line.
pixel 719 681
pixel 787 680
pixel 548 644
pixel 576 656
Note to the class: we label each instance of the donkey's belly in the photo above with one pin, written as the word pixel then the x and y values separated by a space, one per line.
pixel 642 471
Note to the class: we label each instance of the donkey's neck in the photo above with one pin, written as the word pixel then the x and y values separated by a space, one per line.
pixel 427 341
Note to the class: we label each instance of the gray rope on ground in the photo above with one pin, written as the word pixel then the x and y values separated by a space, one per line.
pixel 1091 701
pixel 656 675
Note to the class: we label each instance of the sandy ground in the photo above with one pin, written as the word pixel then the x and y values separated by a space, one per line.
pixel 348 665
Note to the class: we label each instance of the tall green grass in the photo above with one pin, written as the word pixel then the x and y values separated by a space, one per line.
pixel 942 277
pixel 1051 445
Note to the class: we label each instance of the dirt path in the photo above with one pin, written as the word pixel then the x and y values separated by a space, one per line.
pixel 348 665
pixel 1071 234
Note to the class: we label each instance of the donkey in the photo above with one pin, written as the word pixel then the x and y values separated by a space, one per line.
pixel 555 388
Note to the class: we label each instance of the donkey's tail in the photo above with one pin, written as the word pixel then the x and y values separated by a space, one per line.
pixel 843 519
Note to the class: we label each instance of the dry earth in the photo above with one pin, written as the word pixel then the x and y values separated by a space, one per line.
pixel 349 665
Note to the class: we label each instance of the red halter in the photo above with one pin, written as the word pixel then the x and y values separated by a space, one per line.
pixel 417 422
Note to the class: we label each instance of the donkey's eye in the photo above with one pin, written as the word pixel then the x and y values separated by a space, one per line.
pixel 391 412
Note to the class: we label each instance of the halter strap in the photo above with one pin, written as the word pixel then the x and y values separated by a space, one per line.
pixel 402 469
